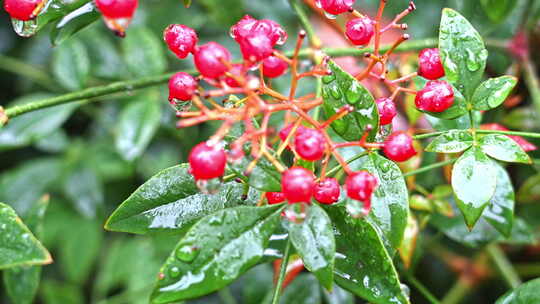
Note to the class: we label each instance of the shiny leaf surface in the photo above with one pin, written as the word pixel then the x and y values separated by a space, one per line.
pixel 503 148
pixel 523 294
pixel 493 92
pixel 500 211
pixel 452 141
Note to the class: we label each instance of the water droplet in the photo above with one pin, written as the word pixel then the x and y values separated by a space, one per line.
pixel 187 253
pixel 161 276
pixel 296 213
pixel 336 92
pixel 385 166
pixel 472 62
pixel 209 186
pixel 406 290
pixel 328 78
pixel 318 3
pixel 356 208
pixel 180 105
pixel 25 28
pixel 330 16
pixel 174 271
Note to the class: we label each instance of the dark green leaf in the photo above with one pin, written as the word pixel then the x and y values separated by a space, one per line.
pixel 500 212
pixel 144 53
pixel 503 148
pixel 338 295
pixel 215 251
pixel 137 125
pixel 55 142
pixel 474 178
pixel 303 290
pixel 256 283
pixel 85 190
pixel 265 177
pixel 340 89
pixel 463 53
pixel 18 246
pixel 171 201
pixel 74 22
pixel 523 118
pixel 452 141
pixel 187 3
pixel 363 266
pixel 71 65
pixel 105 57
pixel 217 8
pixel 492 92
pixel 54 292
pixel 498 10
pixel 526 293
pixel 460 123
pixel 530 190
pixel 31 127
pixel 314 241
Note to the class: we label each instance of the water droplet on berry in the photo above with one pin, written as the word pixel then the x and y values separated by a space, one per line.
pixel 318 3
pixel 355 208
pixel 187 253
pixel 174 272
pixel 330 16
pixel 25 28
pixel 209 186
pixel 296 213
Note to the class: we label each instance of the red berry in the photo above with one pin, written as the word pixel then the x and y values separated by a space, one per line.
pixel 182 86
pixel 243 27
pixel 310 144
pixel 360 186
pixel 297 184
pixel 284 133
pixel 360 30
pixel 429 64
pixel 387 110
pixel 272 29
pixel 274 67
pixel 256 46
pixel 238 71
pixel 21 9
pixel 399 146
pixel 115 9
pixel 327 191
pixel 275 197
pixel 207 162
pixel 335 7
pixel 209 59
pixel 436 96
pixel 180 39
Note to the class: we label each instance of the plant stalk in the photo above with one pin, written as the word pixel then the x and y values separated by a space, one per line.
pixel 282 273
pixel 503 265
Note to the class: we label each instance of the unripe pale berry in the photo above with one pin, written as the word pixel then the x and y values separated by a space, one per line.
pixel 335 7
pixel 360 186
pixel 274 197
pixel 274 67
pixel 207 162
pixel 429 64
pixel 360 30
pixel 436 96
pixel 387 110
pixel 182 86
pixel 180 39
pixel 399 146
pixel 310 144
pixel 297 184
pixel 115 9
pixel 21 9
pixel 256 46
pixel 327 191
pixel 209 59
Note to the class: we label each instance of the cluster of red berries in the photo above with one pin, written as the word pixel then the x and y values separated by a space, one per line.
pixel 23 10
pixel 437 95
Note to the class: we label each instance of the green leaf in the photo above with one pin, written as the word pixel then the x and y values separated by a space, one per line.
pixel 31 127
pixel 54 292
pixel 170 201
pixel 256 283
pixel 463 53
pixel 265 177
pixel 303 290
pixel 22 283
pixel 71 65
pixel 314 241
pixel 338 295
pixel 104 55
pixel 529 192
pixel 452 141
pixel 340 89
pixel 524 294
pixel 73 22
pixel 522 118
pixel 500 212
pixel 498 10
pixel 85 190
pixel 503 148
pixel 363 266
pixel 408 246
pixel 224 12
pixel 493 92
pixel 390 202
pixel 460 123
pixel 187 3
pixel 144 53
pixel 18 246
pixel 137 125
pixel 474 178
pixel 55 142
pixel 215 251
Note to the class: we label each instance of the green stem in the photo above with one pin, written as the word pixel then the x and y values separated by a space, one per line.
pixel 226 296
pixel 304 20
pixel 430 167
pixel 282 273
pixel 473 127
pixel 422 289
pixel 503 265
pixel 348 161
pixel 21 68
pixel 529 270
pixel 428 135
pixel 460 289
pixel 524 134
pixel 531 80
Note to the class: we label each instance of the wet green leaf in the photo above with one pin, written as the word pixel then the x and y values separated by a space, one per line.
pixel 265 177
pixel 18 246
pixel 256 283
pixel 406 250
pixel 460 123
pixel 523 118
pixel 474 178
pixel 144 53
pixel 503 148
pixel 71 65
pixel 340 89
pixel 524 294
pixel 85 190
pixel 529 192
pixel 170 201
pixel 73 22
pixel 498 10
pixel 500 211
pixel 338 295
pixel 493 92
pixel 363 266
pixel 137 125
pixel 463 53
pixel 452 141
pixel 303 290
pixel 314 241
pixel 215 251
